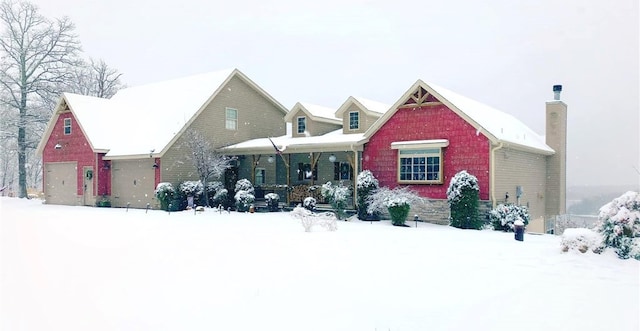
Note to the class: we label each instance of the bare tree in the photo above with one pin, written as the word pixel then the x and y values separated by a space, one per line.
pixel 35 54
pixel 208 162
pixel 94 78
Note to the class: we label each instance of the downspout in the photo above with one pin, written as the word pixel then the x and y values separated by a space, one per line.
pixel 492 174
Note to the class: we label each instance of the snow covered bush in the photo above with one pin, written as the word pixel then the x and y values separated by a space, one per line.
pixel 164 193
pixel 308 219
pixel 309 203
pixel 213 188
pixel 244 195
pixel 272 200
pixel 619 224
pixel 337 196
pixel 244 185
pixel 581 239
pixel 366 183
pixel 503 216
pixel 191 188
pixel 463 198
pixel 397 202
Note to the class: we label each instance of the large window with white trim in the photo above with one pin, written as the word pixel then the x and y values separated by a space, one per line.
pixel 231 119
pixel 420 161
pixel 420 165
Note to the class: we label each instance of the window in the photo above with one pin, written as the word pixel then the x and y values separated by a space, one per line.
pixel 354 120
pixel 260 179
pixel 304 171
pixel 420 165
pixel 231 122
pixel 420 161
pixel 67 126
pixel 302 124
pixel 342 170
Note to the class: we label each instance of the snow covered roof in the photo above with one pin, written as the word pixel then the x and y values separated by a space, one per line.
pixel 498 126
pixel 317 113
pixel 332 141
pixel 371 107
pixel 147 119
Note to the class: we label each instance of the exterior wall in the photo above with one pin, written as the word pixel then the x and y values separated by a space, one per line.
pixel 519 168
pixel 467 150
pixel 103 176
pixel 257 118
pixel 556 136
pixel 75 148
pixel 365 120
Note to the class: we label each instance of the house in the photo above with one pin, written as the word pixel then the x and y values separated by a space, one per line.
pixel 432 133
pixel 121 148
pixel 320 148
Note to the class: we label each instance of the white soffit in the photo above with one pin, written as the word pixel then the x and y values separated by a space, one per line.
pixel 419 144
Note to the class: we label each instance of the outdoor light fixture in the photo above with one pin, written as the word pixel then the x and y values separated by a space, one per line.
pixel 332 158
pixel 270 159
pixel 57 146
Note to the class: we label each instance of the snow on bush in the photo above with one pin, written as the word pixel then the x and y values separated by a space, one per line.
pixel 244 194
pixel 272 199
pixel 619 224
pixel 366 183
pixel 384 198
pixel 582 240
pixel 463 198
pixel 308 219
pixel 503 216
pixel 220 196
pixel 244 185
pixel 164 193
pixel 309 203
pixel 337 196
pixel 191 188
pixel 462 180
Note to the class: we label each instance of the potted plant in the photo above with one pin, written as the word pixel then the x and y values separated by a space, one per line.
pixel 273 201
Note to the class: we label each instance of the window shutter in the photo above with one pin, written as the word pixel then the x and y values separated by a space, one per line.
pixel 336 170
pixel 315 172
pixel 300 171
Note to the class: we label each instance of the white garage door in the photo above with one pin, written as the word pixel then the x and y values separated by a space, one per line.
pixel 133 182
pixel 61 183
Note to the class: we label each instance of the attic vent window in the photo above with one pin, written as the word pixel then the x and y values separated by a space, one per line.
pixel 67 126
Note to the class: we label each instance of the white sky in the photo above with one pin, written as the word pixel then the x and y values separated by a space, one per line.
pixel 505 53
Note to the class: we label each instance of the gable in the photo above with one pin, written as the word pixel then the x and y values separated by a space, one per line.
pixel 498 126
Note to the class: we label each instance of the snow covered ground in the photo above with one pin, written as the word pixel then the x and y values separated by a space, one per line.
pixel 84 268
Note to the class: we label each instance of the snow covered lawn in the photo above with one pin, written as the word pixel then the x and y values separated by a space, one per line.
pixel 84 268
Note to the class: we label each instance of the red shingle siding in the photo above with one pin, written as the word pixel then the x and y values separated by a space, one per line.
pixel 104 176
pixel 467 150
pixel 74 147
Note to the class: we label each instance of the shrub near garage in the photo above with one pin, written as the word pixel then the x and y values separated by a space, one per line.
pixel 165 193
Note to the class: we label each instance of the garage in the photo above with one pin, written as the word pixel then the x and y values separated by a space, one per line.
pixel 133 183
pixel 61 183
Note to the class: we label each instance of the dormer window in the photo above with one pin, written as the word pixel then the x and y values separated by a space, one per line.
pixel 67 126
pixel 302 124
pixel 354 120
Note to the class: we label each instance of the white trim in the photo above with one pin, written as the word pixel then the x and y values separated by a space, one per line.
pixel 420 144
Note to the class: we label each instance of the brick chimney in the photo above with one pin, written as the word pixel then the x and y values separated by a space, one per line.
pixel 556 138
